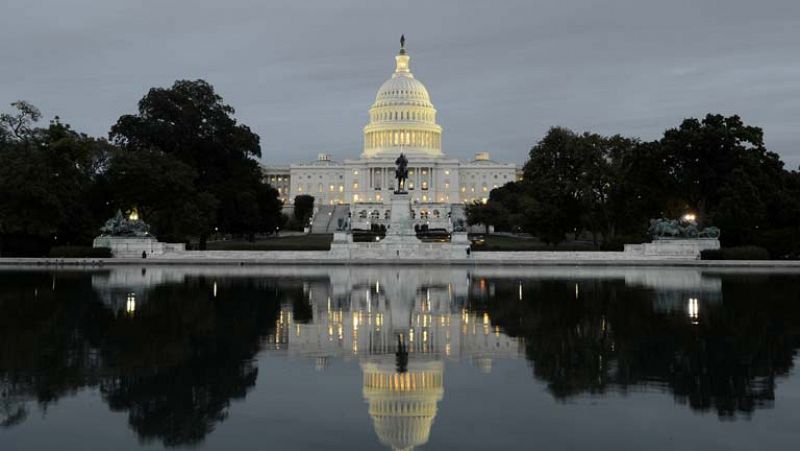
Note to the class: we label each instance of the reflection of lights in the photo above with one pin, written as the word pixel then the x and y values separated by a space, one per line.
pixel 130 303
pixel 520 291
pixel 577 291
pixel 693 309
pixel 215 289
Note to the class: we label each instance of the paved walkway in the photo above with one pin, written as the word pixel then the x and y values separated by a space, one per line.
pixel 476 258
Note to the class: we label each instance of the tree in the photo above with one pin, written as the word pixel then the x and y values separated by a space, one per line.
pixel 170 204
pixel 191 123
pixel 484 214
pixel 303 208
pixel 702 157
pixel 552 178
pixel 721 169
pixel 19 126
pixel 47 177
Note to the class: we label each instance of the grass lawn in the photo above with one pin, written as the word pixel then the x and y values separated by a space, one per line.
pixel 314 242
pixel 509 243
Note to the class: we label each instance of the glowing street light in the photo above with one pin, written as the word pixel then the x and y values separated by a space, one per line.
pixel 689 217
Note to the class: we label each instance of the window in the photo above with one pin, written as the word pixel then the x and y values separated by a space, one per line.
pixel 424 184
pixel 341 188
pixel 355 185
pixel 447 172
pixel 331 188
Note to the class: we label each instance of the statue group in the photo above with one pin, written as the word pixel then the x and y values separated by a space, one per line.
pixel 119 225
pixel 678 228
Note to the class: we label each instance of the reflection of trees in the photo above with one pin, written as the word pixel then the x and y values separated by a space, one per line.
pixel 183 356
pixel 174 364
pixel 44 353
pixel 611 336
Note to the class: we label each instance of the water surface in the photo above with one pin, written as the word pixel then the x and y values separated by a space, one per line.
pixel 394 358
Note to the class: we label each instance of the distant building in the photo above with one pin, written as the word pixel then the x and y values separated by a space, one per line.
pixel 401 120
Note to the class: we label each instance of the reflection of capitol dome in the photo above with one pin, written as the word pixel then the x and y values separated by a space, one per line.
pixel 402 117
pixel 403 405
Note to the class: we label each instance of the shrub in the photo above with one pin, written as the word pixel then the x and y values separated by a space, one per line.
pixel 736 253
pixel 782 244
pixel 80 252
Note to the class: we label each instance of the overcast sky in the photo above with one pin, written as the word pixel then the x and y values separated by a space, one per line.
pixel 302 74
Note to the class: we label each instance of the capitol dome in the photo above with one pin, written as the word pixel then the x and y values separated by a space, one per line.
pixel 402 119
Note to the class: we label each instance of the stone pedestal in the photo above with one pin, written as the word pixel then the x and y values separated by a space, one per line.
pixel 459 238
pixel 401 226
pixel 133 246
pixel 672 247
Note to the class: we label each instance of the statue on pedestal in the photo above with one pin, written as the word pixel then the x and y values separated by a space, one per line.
pixel 401 173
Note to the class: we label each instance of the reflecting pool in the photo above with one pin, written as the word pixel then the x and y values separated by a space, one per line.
pixel 379 357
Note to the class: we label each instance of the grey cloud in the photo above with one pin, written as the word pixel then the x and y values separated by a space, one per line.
pixel 302 74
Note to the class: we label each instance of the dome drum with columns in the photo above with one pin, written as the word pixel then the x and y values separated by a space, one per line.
pixel 402 119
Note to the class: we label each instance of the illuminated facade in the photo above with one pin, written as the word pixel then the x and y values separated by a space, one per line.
pixel 402 119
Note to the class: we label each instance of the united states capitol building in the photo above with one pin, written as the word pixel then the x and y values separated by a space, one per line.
pixel 401 120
